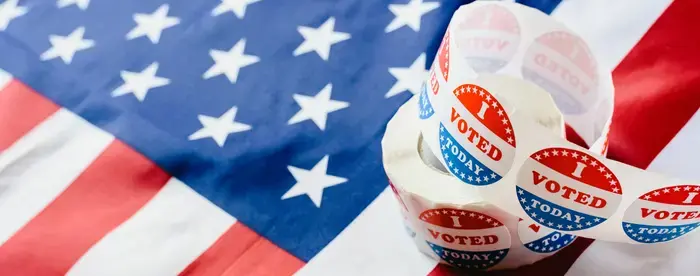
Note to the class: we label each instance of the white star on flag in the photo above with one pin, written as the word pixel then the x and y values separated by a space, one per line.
pixel 82 4
pixel 312 182
pixel 230 63
pixel 219 128
pixel 409 14
pixel 317 107
pixel 9 11
pixel 237 7
pixel 320 39
pixel 410 78
pixel 152 25
pixel 139 83
pixel 65 47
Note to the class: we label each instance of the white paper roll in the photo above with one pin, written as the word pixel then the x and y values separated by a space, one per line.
pixel 498 154
pixel 451 221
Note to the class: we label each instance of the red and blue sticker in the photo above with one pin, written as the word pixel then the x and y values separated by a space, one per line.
pixel 567 190
pixel 478 141
pixel 541 239
pixel 443 57
pixel 663 214
pixel 489 37
pixel 562 64
pixel 464 238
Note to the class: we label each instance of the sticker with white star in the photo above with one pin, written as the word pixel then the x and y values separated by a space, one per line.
pixel 465 238
pixel 542 239
pixel 561 63
pixel 443 56
pixel 425 109
pixel 567 190
pixel 489 37
pixel 663 214
pixel 477 145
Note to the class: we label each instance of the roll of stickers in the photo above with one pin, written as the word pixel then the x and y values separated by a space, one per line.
pixel 451 221
pixel 501 155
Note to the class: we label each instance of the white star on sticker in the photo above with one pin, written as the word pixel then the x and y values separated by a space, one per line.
pixel 317 107
pixel 152 25
pixel 320 39
pixel 65 47
pixel 409 14
pixel 139 83
pixel 230 62
pixel 408 78
pixel 219 128
pixel 312 182
pixel 237 7
pixel 82 4
pixel 9 11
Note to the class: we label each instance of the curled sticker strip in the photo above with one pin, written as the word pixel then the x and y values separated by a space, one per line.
pixel 487 138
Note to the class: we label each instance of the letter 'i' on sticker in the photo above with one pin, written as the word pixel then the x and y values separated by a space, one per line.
pixel 567 189
pixel 465 238
pixel 478 142
pixel 541 239
pixel 663 214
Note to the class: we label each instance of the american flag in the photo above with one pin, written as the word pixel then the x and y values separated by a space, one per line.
pixel 242 137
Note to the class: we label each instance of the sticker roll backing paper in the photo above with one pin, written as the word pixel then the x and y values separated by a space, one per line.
pixel 491 114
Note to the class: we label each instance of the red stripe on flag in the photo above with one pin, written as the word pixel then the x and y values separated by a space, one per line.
pixel 241 251
pixel 21 109
pixel 657 87
pixel 117 184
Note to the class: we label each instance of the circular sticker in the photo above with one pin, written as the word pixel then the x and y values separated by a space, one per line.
pixel 465 238
pixel 443 56
pixel 477 144
pixel 663 214
pixel 488 37
pixel 425 109
pixel 567 189
pixel 541 239
pixel 562 64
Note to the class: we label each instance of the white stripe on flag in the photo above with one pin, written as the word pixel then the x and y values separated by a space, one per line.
pixel 375 243
pixel 678 157
pixel 162 238
pixel 39 166
pixel 5 79
pixel 612 29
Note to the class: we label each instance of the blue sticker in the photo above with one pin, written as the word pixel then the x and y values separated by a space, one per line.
pixel 424 106
pixel 462 164
pixel 555 216
pixel 469 259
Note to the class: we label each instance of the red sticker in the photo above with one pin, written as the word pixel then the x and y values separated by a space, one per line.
pixel 562 64
pixel 663 214
pixel 464 238
pixel 443 56
pixel 488 37
pixel 434 85
pixel 567 189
